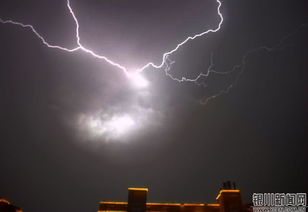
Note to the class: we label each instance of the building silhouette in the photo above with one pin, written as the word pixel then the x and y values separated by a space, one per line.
pixel 228 200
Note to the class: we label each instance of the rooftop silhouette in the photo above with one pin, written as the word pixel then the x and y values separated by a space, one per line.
pixel 228 199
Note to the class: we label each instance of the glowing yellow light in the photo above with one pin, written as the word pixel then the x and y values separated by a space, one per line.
pixel 4 200
pixel 163 203
pixel 157 203
pixel 113 202
pixel 213 204
pixel 193 204
pixel 227 191
pixel 139 189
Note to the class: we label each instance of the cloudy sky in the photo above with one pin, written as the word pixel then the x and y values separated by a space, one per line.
pixel 76 129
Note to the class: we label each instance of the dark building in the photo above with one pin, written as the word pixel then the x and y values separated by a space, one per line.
pixel 228 200
pixel 137 199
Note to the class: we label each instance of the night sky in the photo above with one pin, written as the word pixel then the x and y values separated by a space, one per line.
pixel 53 159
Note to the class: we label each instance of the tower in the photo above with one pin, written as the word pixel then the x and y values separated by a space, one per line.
pixel 137 199
pixel 229 198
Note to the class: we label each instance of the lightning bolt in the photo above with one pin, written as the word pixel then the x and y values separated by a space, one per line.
pixel 119 123
pixel 242 65
pixel 80 46
pixel 166 63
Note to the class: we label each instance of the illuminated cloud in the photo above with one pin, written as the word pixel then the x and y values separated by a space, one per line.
pixel 138 81
pixel 116 126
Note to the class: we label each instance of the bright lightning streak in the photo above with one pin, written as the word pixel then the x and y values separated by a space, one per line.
pixel 38 35
pixel 165 55
pixel 166 63
pixel 242 65
pixel 102 57
pixel 115 125
pixel 88 50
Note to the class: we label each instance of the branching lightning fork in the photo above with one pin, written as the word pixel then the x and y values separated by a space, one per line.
pixel 242 65
pixel 108 60
pixel 166 62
